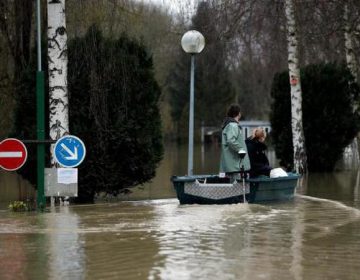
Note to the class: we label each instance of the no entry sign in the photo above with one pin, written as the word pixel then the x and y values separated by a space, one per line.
pixel 13 154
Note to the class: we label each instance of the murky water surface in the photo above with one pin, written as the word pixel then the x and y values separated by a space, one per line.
pixel 316 236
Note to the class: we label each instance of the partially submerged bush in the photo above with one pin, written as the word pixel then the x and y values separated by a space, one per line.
pixel 18 206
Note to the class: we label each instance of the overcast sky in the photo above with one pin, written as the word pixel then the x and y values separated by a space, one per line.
pixel 177 6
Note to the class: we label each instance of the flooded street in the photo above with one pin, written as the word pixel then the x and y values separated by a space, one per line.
pixel 316 236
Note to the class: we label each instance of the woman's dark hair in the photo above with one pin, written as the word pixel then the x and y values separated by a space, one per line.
pixel 233 110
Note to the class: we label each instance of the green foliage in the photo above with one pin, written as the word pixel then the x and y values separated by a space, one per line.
pixel 19 206
pixel 114 110
pixel 329 121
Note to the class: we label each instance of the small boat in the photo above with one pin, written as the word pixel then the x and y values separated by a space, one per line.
pixel 211 189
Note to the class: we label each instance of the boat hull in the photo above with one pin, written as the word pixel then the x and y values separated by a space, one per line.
pixel 210 189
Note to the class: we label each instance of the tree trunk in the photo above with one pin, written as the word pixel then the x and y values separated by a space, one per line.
pixel 300 160
pixel 353 67
pixel 57 61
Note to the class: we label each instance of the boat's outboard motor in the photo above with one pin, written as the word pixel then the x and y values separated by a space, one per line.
pixel 242 154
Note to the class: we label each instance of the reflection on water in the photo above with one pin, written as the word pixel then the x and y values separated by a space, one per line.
pixel 315 236
pixel 66 259
pixel 45 244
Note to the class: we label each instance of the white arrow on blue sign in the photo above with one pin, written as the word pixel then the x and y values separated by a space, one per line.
pixel 69 151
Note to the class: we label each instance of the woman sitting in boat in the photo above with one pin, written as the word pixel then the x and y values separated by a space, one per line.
pixel 257 153
pixel 232 142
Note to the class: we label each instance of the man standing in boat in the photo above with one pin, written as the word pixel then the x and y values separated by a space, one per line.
pixel 232 142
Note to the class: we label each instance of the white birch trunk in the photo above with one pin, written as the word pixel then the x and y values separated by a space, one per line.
pixel 57 59
pixel 353 67
pixel 300 160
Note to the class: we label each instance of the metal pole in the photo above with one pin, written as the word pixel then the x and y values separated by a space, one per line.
pixel 38 24
pixel 40 119
pixel 191 118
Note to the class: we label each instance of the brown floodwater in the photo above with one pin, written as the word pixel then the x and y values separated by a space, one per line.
pixel 315 236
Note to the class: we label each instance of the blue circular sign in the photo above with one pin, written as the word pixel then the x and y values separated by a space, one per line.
pixel 69 151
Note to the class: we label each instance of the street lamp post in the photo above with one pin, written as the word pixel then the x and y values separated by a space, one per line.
pixel 40 117
pixel 192 42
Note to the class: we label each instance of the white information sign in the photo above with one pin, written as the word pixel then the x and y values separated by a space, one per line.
pixel 67 175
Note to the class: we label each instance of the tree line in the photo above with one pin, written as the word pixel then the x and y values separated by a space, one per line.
pixel 247 36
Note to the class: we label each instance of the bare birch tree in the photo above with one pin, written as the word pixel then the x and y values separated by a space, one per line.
pixel 300 161
pixel 351 64
pixel 57 61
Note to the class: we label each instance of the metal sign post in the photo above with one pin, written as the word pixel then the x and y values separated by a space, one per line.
pixel 40 118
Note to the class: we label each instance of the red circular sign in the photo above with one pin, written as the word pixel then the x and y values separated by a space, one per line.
pixel 13 154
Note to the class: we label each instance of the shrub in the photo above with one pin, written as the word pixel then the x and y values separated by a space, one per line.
pixel 18 206
pixel 330 123
pixel 114 110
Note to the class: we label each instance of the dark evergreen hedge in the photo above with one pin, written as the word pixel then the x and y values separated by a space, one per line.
pixel 329 122
pixel 113 108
